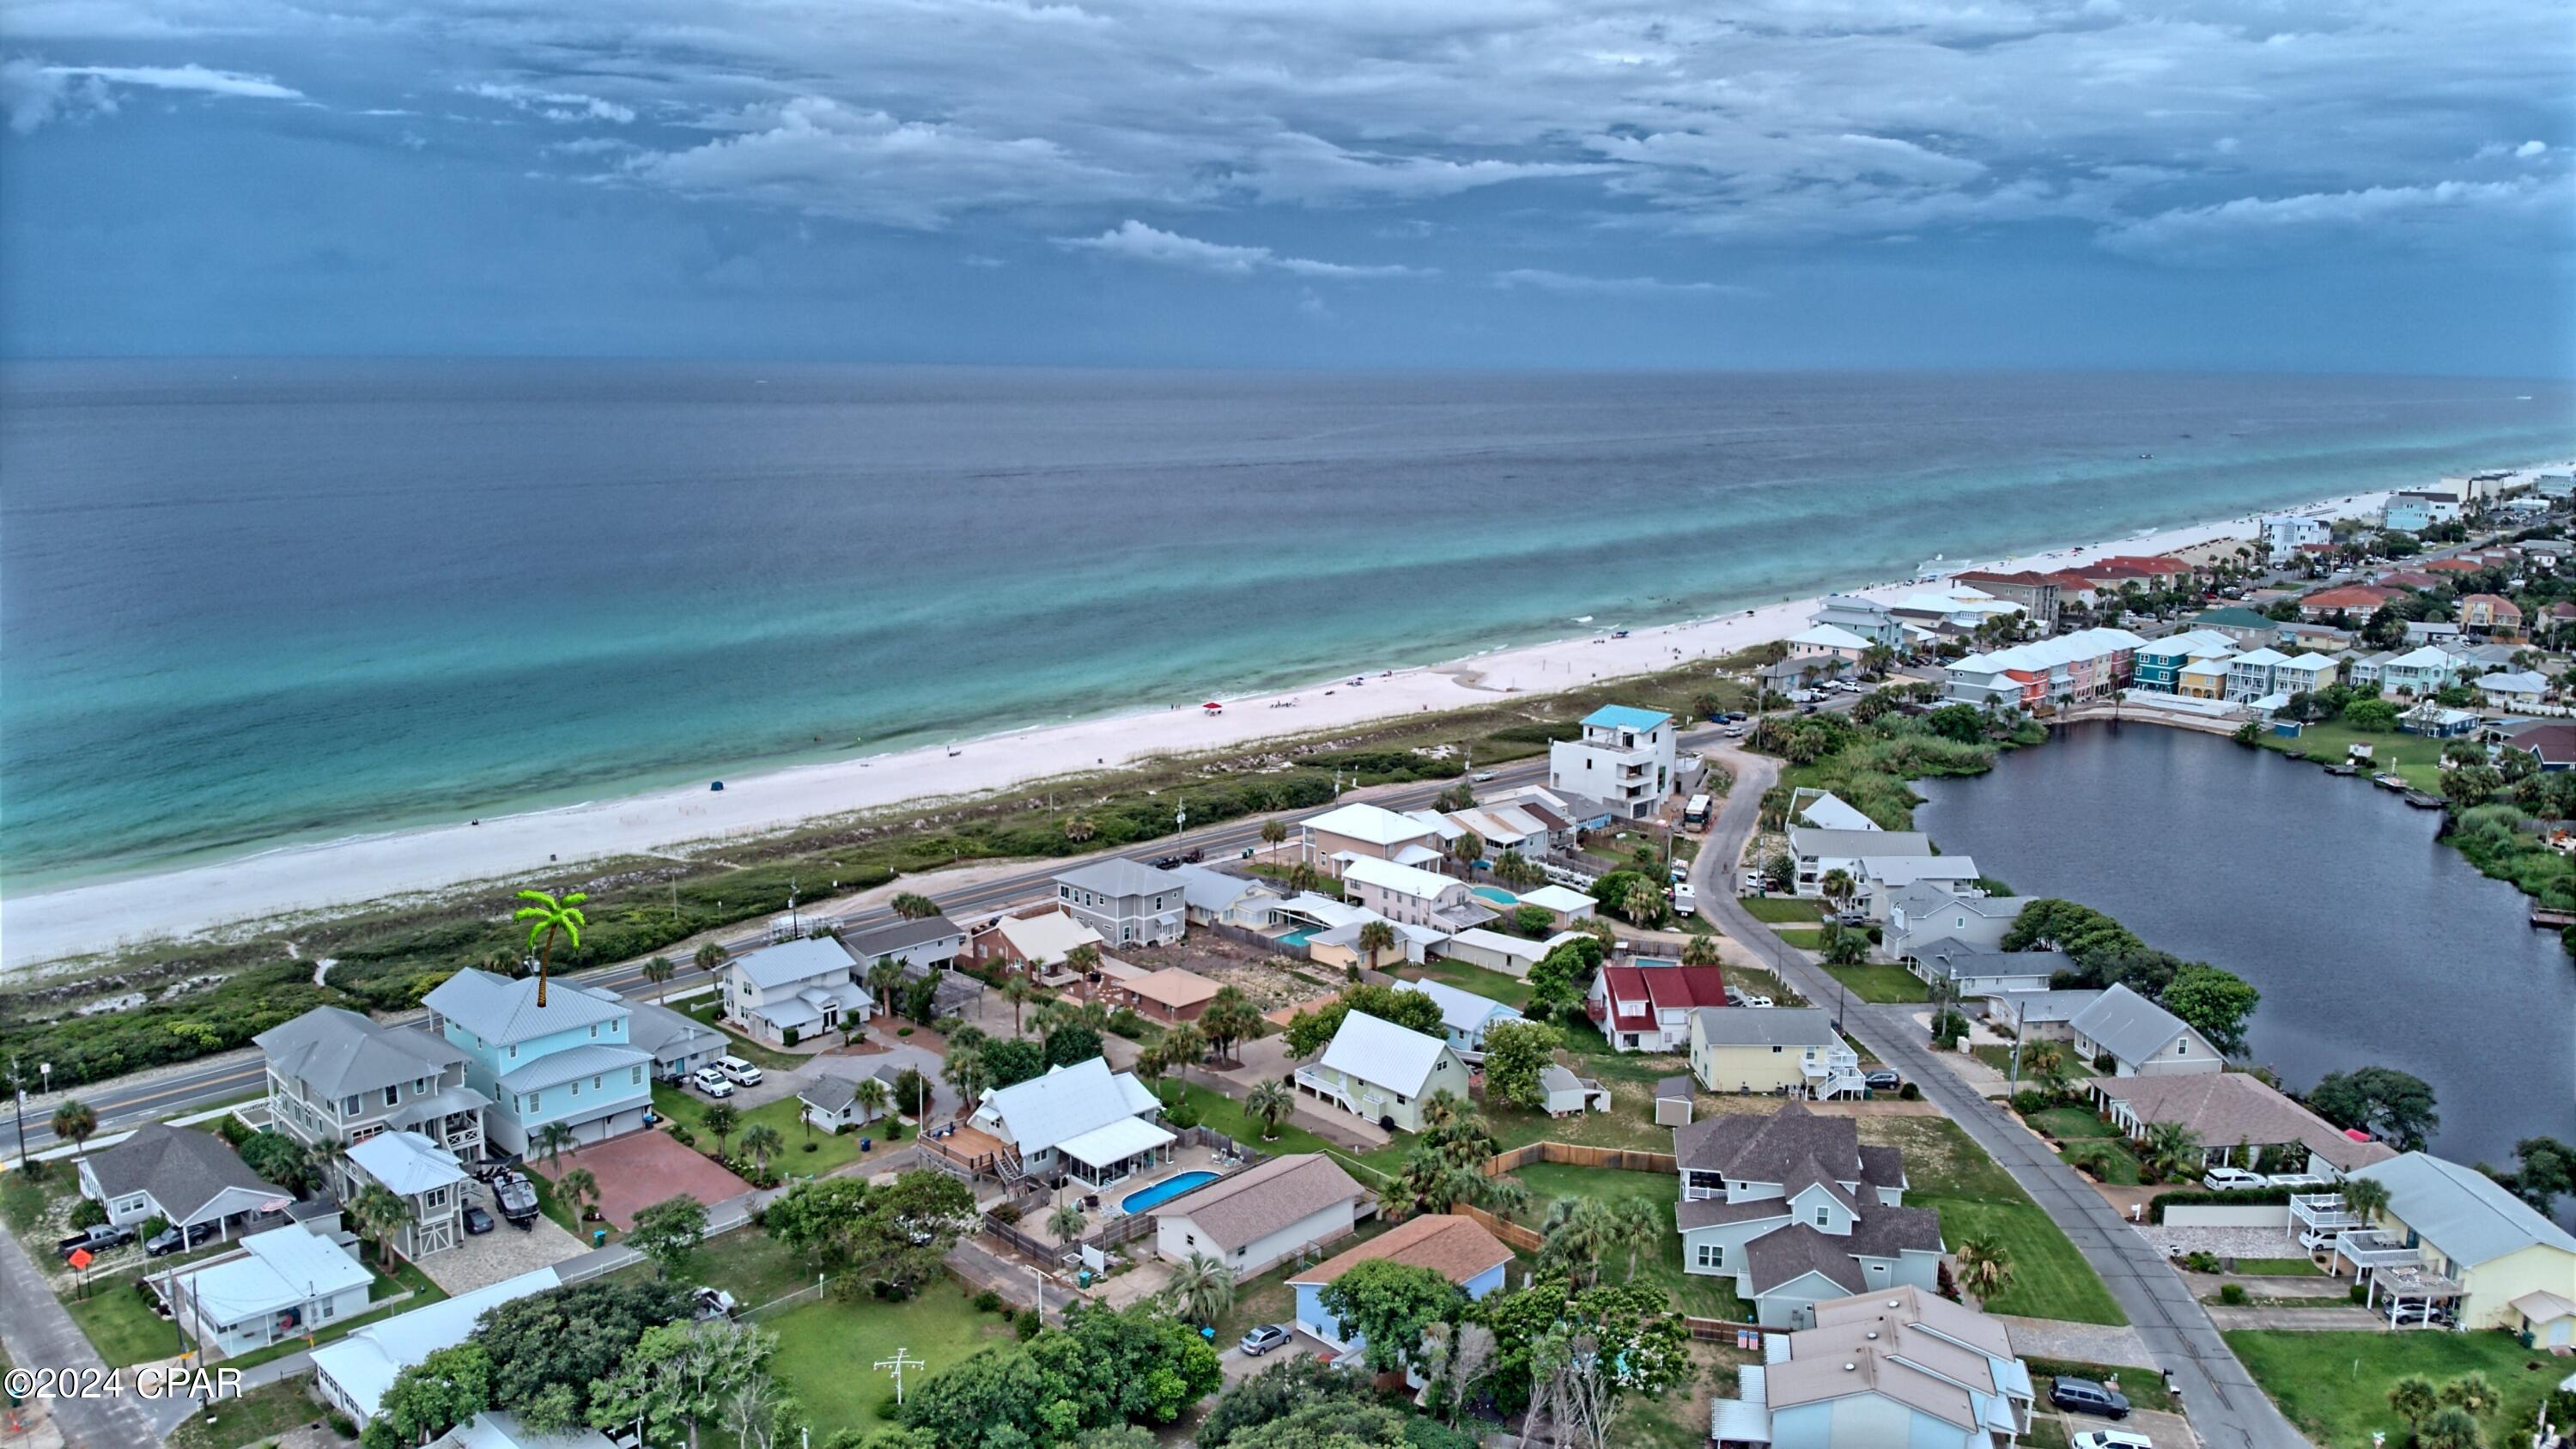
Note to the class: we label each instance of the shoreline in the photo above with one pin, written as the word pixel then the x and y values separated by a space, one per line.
pixel 115 913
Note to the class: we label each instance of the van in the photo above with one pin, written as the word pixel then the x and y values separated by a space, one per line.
pixel 2231 1179
pixel 1685 898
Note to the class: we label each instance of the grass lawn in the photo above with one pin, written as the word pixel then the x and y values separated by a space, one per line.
pixel 827 1351
pixel 751 1265
pixel 262 1415
pixel 120 1323
pixel 2334 1386
pixel 2049 1278
pixel 2278 1268
pixel 1268 1298
pixel 2000 1058
pixel 2109 1161
pixel 1221 1113
pixel 1881 983
pixel 1804 938
pixel 1493 985
pixel 2413 756
pixel 1698 1294
pixel 24 1200
pixel 2064 1123
pixel 786 1115
pixel 1783 910
pixel 708 1009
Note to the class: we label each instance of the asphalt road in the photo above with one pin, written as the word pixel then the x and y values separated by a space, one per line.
pixel 2225 1405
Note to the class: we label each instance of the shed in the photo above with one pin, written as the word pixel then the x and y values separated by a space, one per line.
pixel 1675 1100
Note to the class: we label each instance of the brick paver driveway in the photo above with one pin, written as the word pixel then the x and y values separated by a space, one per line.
pixel 642 1168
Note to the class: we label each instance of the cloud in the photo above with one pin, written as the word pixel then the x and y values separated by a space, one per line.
pixel 2390 215
pixel 33 92
pixel 563 107
pixel 1135 241
pixel 1546 281
pixel 186 78
pixel 2529 149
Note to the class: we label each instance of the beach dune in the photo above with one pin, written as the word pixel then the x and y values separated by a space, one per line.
pixel 103 916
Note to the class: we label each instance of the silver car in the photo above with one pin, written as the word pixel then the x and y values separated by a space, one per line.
pixel 1265 1338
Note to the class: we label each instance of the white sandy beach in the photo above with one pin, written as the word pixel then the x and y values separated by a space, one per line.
pixel 96 917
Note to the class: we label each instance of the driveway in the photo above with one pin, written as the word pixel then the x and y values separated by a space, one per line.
pixel 483 1259
pixel 642 1168
pixel 2228 1409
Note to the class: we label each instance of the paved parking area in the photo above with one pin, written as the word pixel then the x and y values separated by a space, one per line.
pixel 505 1252
pixel 642 1168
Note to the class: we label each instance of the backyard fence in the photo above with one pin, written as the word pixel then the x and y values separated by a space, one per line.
pixel 1513 1235
pixel 1615 1159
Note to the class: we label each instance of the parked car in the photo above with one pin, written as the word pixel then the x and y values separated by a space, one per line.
pixel 477 1222
pixel 708 1303
pixel 1265 1338
pixel 172 1240
pixel 2083 1396
pixel 1884 1080
pixel 2111 1439
pixel 1753 1001
pixel 1481 776
pixel 2230 1179
pixel 1753 882
pixel 98 1239
pixel 711 1082
pixel 739 1072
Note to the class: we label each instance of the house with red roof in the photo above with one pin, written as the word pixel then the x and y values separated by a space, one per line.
pixel 2408 579
pixel 2350 599
pixel 2117 569
pixel 2490 614
pixel 1648 1008
pixel 2454 566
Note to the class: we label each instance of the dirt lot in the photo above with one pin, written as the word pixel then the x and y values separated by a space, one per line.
pixel 1269 978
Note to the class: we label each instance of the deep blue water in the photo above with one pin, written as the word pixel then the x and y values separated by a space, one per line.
pixel 242 603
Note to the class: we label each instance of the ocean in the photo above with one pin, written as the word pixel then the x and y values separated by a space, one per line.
pixel 249 603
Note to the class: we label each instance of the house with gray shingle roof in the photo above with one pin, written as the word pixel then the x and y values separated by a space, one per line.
pixel 1972 970
pixel 795 989
pixel 192 1178
pixel 335 1076
pixel 2140 1038
pixel 927 944
pixel 1262 1216
pixel 1128 902
pixel 1797 1211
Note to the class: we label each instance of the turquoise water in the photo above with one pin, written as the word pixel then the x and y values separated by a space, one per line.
pixel 249 603
pixel 1498 895
pixel 1300 936
pixel 1164 1191
pixel 1652 961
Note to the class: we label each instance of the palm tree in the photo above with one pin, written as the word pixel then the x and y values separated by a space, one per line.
pixel 2045 1060
pixel 1182 1046
pixel 552 1139
pixel 1274 833
pixel 658 973
pixel 1066 1223
pixel 1442 1114
pixel 1303 877
pixel 1201 1289
pixel 1643 901
pixel 965 1071
pixel 914 906
pixel 380 1215
pixel 1837 886
pixel 1268 1103
pixel 1019 993
pixel 1517 870
pixel 1374 937
pixel 580 1189
pixel 709 956
pixel 871 1095
pixel 1079 829
pixel 1083 959
pixel 1580 1234
pixel 2451 1427
pixel 547 916
pixel 1985 1267
pixel 762 1142
pixel 1642 1228
pixel 720 1119
pixel 2472 1391
pixel 1230 1018
pixel 74 1121
pixel 2365 1198
pixel 2170 1150
pixel 885 979
pixel 1466 850
pixel 1700 951
pixel 2412 1399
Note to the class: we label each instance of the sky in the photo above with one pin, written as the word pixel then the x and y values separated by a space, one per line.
pixel 2308 185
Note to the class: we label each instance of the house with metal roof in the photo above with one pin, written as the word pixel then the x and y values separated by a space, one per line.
pixel 1260 1217
pixel 1625 756
pixel 1794 1049
pixel 1799 1212
pixel 353 1372
pixel 927 944
pixel 680 1043
pixel 1381 1072
pixel 191 1178
pixel 2457 1229
pixel 1824 810
pixel 2139 1038
pixel 428 1179
pixel 1927 911
pixel 1081 1121
pixel 1970 970
pixel 1214 898
pixel 2039 1015
pixel 1868 618
pixel 493 1429
pixel 568 1061
pixel 1819 853
pixel 1361 830
pixel 335 1076
pixel 1464 1015
pixel 795 990
pixel 283 1284
pixel 1128 902
pixel 1899 1368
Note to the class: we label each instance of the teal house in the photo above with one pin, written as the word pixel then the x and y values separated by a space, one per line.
pixel 569 1061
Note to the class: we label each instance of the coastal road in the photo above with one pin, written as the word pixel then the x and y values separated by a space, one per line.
pixel 2227 1407
pixel 124 1105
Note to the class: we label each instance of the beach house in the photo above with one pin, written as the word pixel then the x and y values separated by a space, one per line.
pixel 1798 1212
pixel 1127 902
pixel 2487 616
pixel 789 992
pixel 2068 669
pixel 283 1284
pixel 2036 593
pixel 1819 853
pixel 1214 898
pixel 2127 1035
pixel 1083 1121
pixel 1969 970
pixel 336 1077
pixel 1366 832
pixel 1412 895
pixel 1256 1219
pixel 1777 1049
pixel 2161 661
pixel 1625 757
pixel 1905 1367
pixel 679 1044
pixel 2283 533
pixel 426 1177
pixel 352 1373
pixel 1380 1072
pixel 1464 1015
pixel 1565 904
pixel 1472 1259
pixel 1926 911
pixel 1647 1008
pixel 1824 810
pixel 1867 618
pixel 928 944
pixel 569 1061
pixel 193 1179
pixel 2512 688
pixel 1828 641
pixel 2455 1246
pixel 2413 512
pixel 2427 670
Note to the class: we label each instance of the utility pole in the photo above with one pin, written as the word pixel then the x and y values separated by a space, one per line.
pixel 18 1089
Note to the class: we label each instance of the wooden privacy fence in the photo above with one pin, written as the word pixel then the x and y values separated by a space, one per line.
pixel 1617 1159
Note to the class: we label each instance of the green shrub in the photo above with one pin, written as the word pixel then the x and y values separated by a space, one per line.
pixel 341 1424
pixel 1027 1323
pixel 89 1212
pixel 2200 1262
pixel 987 1301
pixel 2029 1101
pixel 1008 1212
pixel 2232 1294
pixel 2358 1292
pixel 790 1036
pixel 233 1130
pixel 1909 1092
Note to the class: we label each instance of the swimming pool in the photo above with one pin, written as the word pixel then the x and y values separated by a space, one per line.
pixel 1164 1191
pixel 1498 895
pixel 1299 937
pixel 1652 961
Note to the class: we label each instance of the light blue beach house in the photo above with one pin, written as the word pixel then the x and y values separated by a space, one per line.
pixel 570 1061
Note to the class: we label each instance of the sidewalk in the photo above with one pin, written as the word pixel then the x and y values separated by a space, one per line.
pixel 40 1334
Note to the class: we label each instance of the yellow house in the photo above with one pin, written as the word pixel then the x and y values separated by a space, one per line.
pixel 2202 679
pixel 1767 1049
pixel 2513 1268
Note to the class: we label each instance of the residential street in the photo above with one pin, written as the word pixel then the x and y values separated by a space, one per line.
pixel 39 1334
pixel 2226 1406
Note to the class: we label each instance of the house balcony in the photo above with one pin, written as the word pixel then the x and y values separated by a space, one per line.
pixel 2369 1251
pixel 1366 1102
pixel 2318 1218
pixel 1837 1074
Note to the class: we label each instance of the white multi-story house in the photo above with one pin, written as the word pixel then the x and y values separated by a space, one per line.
pixel 1128 903
pixel 429 1180
pixel 803 988
pixel 1361 830
pixel 2283 533
pixel 1820 853
pixel 1626 758
pixel 335 1076
pixel 1868 618
pixel 1413 896
pixel 569 1061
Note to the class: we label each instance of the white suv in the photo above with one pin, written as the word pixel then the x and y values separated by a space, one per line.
pixel 739 1072
pixel 2231 1179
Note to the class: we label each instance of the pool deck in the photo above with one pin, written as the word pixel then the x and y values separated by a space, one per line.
pixel 1184 1160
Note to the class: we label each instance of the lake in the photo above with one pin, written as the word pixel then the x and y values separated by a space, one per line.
pixel 2371 943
